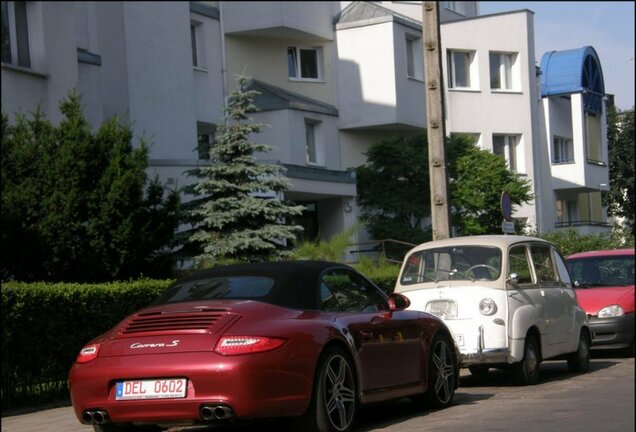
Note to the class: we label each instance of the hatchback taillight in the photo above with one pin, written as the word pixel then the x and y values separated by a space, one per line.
pixel 236 345
pixel 88 353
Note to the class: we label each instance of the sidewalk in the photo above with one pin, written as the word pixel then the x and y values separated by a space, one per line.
pixel 51 420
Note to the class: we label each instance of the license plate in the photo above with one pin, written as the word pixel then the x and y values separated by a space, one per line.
pixel 151 389
pixel 459 339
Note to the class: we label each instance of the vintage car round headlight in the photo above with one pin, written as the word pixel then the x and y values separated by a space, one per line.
pixel 487 306
pixel 611 311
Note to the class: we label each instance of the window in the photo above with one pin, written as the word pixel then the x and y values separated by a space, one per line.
pixel 501 70
pixel 593 138
pixel 563 150
pixel 507 146
pixel 414 57
pixel 344 291
pixel 15 34
pixel 205 139
pixel 313 156
pixel 459 69
pixel 304 63
pixel 197 48
pixel 566 211
pixel 518 263
pixel 543 265
pixel 456 6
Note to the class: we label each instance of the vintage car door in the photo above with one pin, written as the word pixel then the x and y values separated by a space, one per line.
pixel 553 293
pixel 525 300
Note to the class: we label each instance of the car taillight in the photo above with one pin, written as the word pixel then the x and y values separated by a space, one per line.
pixel 88 353
pixel 236 345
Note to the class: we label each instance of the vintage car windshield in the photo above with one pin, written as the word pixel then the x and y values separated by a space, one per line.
pixel 602 271
pixel 472 263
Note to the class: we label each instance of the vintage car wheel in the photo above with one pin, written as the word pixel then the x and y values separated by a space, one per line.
pixel 527 370
pixel 442 373
pixel 334 403
pixel 579 361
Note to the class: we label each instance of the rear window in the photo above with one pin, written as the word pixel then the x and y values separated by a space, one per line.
pixel 223 287
pixel 452 263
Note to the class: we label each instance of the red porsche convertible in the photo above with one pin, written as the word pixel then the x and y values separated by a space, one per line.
pixel 303 339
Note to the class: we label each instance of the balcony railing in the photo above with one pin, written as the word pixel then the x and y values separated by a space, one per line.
pixel 393 250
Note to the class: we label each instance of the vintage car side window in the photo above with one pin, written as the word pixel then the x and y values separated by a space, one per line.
pixel 564 275
pixel 518 263
pixel 344 291
pixel 543 264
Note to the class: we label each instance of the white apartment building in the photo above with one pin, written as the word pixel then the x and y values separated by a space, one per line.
pixel 334 78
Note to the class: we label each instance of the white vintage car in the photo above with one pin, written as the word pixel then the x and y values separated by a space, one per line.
pixel 508 300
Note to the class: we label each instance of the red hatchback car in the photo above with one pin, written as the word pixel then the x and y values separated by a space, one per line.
pixel 604 282
pixel 304 339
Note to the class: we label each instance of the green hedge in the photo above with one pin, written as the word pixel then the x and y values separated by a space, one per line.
pixel 45 325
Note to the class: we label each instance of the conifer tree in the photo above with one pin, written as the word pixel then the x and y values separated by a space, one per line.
pixel 233 214
pixel 77 205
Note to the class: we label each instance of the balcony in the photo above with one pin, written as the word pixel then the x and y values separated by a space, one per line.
pixel 285 20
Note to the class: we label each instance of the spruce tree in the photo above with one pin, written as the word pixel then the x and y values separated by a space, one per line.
pixel 233 214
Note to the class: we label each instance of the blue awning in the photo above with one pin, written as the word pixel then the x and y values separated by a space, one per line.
pixel 573 71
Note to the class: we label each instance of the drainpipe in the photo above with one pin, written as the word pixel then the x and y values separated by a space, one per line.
pixel 223 58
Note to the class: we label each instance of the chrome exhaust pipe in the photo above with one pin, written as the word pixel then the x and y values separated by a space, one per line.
pixel 100 417
pixel 97 417
pixel 88 417
pixel 216 412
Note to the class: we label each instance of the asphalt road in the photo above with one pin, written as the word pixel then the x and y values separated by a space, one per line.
pixel 600 400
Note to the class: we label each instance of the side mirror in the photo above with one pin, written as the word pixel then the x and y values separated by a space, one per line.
pixel 398 302
pixel 513 278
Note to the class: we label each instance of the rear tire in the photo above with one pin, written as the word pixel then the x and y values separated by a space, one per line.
pixel 527 370
pixel 579 361
pixel 442 373
pixel 335 400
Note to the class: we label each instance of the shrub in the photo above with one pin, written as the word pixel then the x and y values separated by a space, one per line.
pixel 570 242
pixel 45 326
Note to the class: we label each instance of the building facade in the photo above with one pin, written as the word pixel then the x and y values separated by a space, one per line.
pixel 334 78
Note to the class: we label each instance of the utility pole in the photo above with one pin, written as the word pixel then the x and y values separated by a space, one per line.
pixel 433 78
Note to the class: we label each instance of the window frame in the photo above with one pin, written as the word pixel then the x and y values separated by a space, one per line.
pixel 452 69
pixel 312 125
pixel 208 130
pixel 197 42
pixel 506 77
pixel 510 150
pixel 297 63
pixel 560 143
pixel 20 44
pixel 414 63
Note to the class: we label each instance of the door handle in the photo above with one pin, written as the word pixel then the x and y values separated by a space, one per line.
pixel 366 334
pixel 542 293
pixel 379 319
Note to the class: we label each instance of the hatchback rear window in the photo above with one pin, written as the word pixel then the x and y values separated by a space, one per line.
pixel 215 288
pixel 602 271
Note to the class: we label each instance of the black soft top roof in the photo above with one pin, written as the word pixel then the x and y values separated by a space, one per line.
pixel 295 282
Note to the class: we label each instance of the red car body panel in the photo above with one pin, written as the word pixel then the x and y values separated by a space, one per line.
pixel 592 300
pixel 178 340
